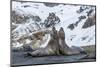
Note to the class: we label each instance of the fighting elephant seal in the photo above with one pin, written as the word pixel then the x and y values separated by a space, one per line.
pixel 64 48
pixel 51 49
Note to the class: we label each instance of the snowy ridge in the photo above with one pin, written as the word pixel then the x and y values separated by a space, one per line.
pixel 67 14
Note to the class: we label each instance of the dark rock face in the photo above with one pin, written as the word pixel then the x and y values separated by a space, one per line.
pixel 71 26
pixel 91 19
pixel 19 19
pixel 51 20
pixel 89 22
pixel 82 17
pixel 51 4
pixel 82 8
pixel 89 12
pixel 36 18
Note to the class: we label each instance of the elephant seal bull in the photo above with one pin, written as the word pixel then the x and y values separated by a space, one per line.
pixel 64 48
pixel 51 49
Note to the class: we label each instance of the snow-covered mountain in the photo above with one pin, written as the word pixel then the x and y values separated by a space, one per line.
pixel 78 21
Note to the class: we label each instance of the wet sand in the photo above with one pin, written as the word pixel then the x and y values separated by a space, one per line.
pixel 21 58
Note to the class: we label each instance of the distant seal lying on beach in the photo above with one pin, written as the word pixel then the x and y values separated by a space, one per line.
pixel 56 45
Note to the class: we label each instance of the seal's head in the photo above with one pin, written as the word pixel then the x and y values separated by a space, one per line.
pixel 61 33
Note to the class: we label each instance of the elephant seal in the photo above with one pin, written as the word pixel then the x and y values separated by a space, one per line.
pixel 64 48
pixel 51 49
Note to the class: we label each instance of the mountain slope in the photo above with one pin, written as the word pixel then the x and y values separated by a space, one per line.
pixel 72 18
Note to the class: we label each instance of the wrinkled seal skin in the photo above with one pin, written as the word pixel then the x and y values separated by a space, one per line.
pixel 51 49
pixel 56 45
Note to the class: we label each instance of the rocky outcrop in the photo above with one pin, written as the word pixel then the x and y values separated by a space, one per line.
pixel 51 20
pixel 90 22
pixel 22 18
pixel 73 25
